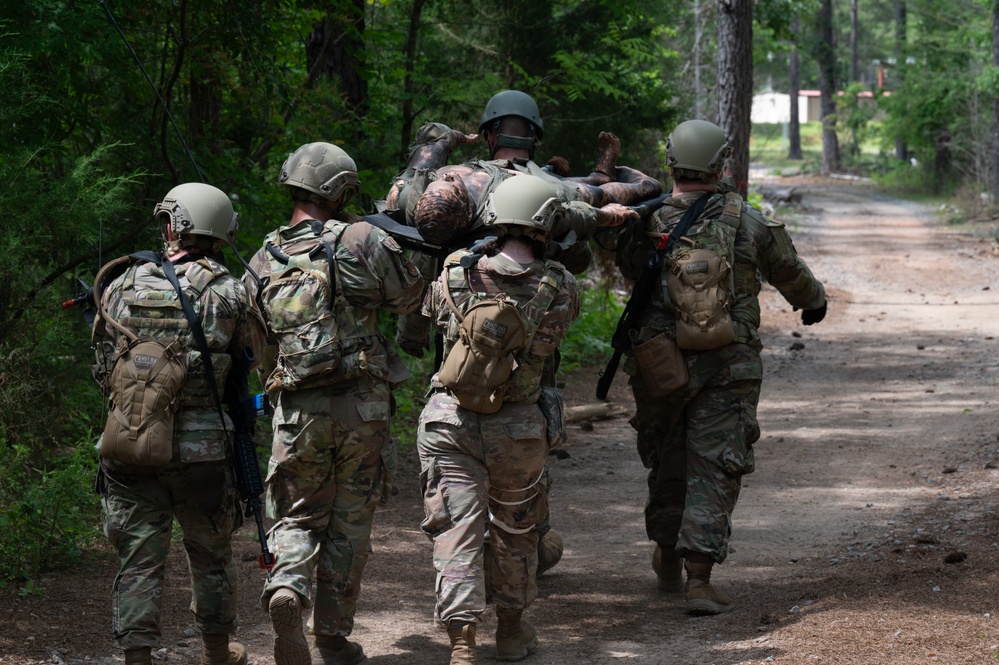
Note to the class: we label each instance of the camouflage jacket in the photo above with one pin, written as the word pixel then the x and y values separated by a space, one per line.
pixel 374 275
pixel 520 282
pixel 763 252
pixel 143 301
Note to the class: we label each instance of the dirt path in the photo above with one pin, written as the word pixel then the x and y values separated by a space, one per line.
pixel 868 533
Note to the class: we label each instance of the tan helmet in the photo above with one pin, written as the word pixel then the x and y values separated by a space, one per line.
pixel 524 205
pixel 324 169
pixel 198 209
pixel 697 145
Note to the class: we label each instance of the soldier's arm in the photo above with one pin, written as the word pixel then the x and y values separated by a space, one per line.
pixel 400 284
pixel 429 151
pixel 555 323
pixel 780 264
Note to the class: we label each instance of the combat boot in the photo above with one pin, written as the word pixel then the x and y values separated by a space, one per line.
pixel 462 636
pixel 218 650
pixel 515 637
pixel 550 549
pixel 290 647
pixel 702 598
pixel 337 650
pixel 668 565
pixel 139 656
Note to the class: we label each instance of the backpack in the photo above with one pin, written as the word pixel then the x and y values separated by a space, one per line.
pixel 144 386
pixel 699 280
pixel 300 302
pixel 493 336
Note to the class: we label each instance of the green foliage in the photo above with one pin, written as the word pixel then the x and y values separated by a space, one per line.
pixel 47 510
pixel 588 339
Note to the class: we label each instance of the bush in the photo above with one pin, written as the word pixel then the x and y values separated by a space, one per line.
pixel 48 510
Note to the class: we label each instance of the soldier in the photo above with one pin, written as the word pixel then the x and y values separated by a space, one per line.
pixel 324 279
pixel 445 202
pixel 696 436
pixel 158 463
pixel 483 435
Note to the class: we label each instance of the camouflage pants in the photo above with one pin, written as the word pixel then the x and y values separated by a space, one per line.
pixel 324 480
pixel 478 472
pixel 140 505
pixel 697 444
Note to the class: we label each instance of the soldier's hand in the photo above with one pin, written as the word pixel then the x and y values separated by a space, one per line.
pixel 614 214
pixel 810 316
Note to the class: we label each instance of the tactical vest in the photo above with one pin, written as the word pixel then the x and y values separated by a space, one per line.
pixel 321 340
pixel 488 338
pixel 155 370
pixel 698 279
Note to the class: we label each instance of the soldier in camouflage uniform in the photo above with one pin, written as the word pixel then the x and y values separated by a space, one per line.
pixel 697 441
pixel 483 469
pixel 446 201
pixel 196 487
pixel 324 278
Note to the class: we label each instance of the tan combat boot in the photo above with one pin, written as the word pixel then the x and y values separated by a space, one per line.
pixel 139 656
pixel 290 647
pixel 218 650
pixel 337 650
pixel 515 637
pixel 462 637
pixel 550 549
pixel 668 565
pixel 702 598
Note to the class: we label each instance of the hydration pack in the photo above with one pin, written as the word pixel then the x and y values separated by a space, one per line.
pixel 494 335
pixel 699 280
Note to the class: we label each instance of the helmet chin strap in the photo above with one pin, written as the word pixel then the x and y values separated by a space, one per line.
pixel 515 142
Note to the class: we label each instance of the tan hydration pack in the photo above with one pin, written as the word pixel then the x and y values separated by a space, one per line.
pixel 700 281
pixel 493 337
pixel 144 388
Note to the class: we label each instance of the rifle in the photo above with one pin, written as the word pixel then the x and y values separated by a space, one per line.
pixel 621 340
pixel 243 409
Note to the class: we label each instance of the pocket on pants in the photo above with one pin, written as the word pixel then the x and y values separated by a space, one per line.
pixel 436 518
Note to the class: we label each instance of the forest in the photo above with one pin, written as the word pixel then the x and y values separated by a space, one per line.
pixel 107 105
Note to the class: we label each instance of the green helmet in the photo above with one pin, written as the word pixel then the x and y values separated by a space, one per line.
pixel 513 102
pixel 524 205
pixel 697 145
pixel 323 169
pixel 198 209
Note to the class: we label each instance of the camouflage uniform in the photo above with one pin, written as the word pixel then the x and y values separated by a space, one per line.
pixel 326 473
pixel 698 442
pixel 196 487
pixel 488 468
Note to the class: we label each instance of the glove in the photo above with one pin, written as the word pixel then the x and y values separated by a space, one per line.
pixel 810 316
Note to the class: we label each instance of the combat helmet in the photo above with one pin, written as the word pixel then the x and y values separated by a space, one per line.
pixel 517 104
pixel 198 209
pixel 524 205
pixel 697 145
pixel 322 169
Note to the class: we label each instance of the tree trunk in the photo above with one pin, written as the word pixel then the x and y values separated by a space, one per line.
pixel 995 106
pixel 334 51
pixel 794 81
pixel 735 84
pixel 408 115
pixel 854 69
pixel 698 92
pixel 826 59
pixel 901 150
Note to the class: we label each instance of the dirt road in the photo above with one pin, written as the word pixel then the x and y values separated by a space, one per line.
pixel 868 533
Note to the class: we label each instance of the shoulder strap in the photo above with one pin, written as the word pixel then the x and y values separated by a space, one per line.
pixel 536 308
pixel 199 337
